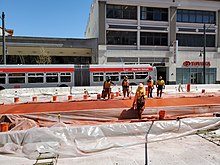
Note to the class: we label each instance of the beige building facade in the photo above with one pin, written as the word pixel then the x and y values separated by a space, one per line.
pixel 172 35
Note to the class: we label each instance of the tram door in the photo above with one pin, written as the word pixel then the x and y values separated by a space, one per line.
pixel 82 75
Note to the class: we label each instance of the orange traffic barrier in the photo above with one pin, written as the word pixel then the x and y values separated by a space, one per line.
pixel 203 90
pixel 34 98
pixel 16 99
pixel 85 97
pixel 4 126
pixel 70 97
pixel 188 87
pixel 98 96
pixel 54 98
pixel 162 114
pixel 112 96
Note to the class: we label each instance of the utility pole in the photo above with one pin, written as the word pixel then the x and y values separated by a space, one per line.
pixel 3 38
pixel 204 51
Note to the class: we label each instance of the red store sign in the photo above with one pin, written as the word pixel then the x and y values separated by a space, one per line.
pixel 195 63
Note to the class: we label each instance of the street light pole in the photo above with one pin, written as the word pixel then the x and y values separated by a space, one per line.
pixel 204 51
pixel 3 38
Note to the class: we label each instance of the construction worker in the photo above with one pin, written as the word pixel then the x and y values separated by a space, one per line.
pixel 180 88
pixel 125 86
pixel 107 87
pixel 150 86
pixel 139 100
pixel 160 86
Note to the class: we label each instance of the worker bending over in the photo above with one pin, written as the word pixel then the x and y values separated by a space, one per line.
pixel 139 100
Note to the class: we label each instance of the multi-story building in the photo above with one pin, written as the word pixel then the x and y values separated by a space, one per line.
pixel 180 37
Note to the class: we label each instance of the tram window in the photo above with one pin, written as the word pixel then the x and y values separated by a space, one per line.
pixel 35 77
pixel 2 78
pixel 52 74
pixel 65 77
pixel 35 74
pixel 129 74
pixel 52 77
pixel 114 76
pixel 16 74
pixel 97 77
pixel 16 78
pixel 141 75
pixel 65 74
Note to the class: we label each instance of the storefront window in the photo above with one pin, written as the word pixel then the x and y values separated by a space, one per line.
pixel 195 75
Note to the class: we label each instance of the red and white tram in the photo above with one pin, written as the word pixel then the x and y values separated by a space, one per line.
pixel 31 76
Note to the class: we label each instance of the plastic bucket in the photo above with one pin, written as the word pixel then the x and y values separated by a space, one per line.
pixel 34 98
pixel 188 87
pixel 112 96
pixel 85 97
pixel 4 126
pixel 162 114
pixel 54 98
pixel 16 99
pixel 98 96
pixel 70 97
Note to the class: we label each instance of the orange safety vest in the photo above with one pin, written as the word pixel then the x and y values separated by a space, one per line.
pixel 125 83
pixel 107 84
pixel 150 83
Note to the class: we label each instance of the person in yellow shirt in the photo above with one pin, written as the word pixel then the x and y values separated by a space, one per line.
pixel 139 100
pixel 160 86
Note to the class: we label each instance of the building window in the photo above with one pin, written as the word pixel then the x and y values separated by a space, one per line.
pixel 195 75
pixel 196 16
pixel 121 12
pixel 154 14
pixel 154 39
pixel 195 40
pixel 121 38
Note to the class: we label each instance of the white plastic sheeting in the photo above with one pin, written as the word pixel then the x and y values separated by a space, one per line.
pixel 81 141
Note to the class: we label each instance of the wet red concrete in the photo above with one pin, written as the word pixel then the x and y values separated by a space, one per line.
pixel 102 104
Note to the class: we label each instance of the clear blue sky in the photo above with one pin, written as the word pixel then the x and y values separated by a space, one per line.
pixel 46 18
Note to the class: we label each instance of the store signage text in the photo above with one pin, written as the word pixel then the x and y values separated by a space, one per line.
pixel 195 63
